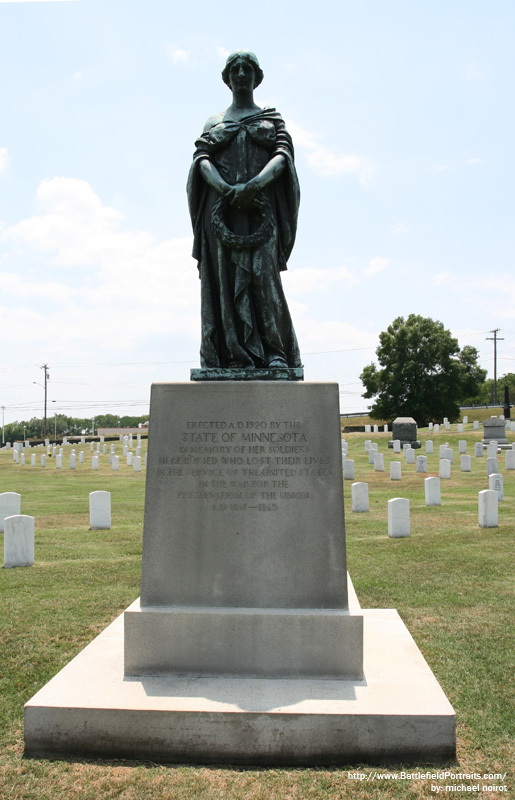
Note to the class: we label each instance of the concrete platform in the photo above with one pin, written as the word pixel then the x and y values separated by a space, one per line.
pixel 398 712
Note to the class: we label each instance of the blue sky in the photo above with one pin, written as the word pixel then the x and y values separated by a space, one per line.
pixel 402 117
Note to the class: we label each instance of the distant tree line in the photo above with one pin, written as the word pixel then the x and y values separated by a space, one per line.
pixel 67 426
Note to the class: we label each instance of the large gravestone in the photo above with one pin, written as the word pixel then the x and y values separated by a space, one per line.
pixel 494 429
pixel 246 485
pixel 405 430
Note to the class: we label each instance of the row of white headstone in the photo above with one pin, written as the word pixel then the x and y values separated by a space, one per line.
pixel 399 507
pixel 18 528
pixel 134 461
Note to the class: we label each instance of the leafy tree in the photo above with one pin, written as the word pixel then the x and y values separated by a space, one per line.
pixel 485 392
pixel 423 374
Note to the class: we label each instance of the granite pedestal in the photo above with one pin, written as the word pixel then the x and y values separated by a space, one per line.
pixel 246 645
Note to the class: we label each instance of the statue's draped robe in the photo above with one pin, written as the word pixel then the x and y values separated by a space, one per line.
pixel 245 317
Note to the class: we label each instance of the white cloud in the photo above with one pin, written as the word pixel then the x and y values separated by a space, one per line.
pixel 4 158
pixel 312 279
pixel 223 53
pixel 177 54
pixel 323 161
pixel 11 283
pixel 444 279
pixel 399 228
pixel 474 161
pixel 377 264
pixel 473 73
pixel 128 288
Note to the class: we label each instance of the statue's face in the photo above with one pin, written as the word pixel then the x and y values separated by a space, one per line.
pixel 241 76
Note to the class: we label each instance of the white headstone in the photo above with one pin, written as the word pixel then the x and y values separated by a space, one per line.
pixel 83 440
pixel 460 427
pixel 376 428
pixel 115 464
pixel 16 457
pixel 22 459
pixel 488 508
pixel 367 444
pixel 65 440
pixel 137 463
pixel 466 463
pixel 138 449
pixel 398 517
pixel 431 426
pixel 409 455
pixel 47 442
pixel 476 425
pixel 465 420
pixel 478 449
pixel 19 541
pixel 512 425
pixel 58 461
pixel 432 491
pixel 10 505
pixel 368 428
pixel 447 426
pixel 371 455
pixel 348 469
pixel 462 446
pixel 61 451
pixel 421 463
pixel 445 419
pixel 385 428
pixel 510 459
pixel 129 459
pixel 436 427
pixel 447 453
pixel 33 460
pixel 72 461
pixel 359 493
pixel 492 466
pixel 104 449
pixel 491 450
pixel 42 460
pixel 396 445
pixel 130 441
pixel 125 450
pixel 344 457
pixel 445 468
pixel 406 446
pixel 379 462
pixel 429 447
pixel 91 446
pixel 112 448
pixel 94 462
pixel 501 416
pixel 496 482
pixel 98 447
pixel 102 438
pixel 99 510
pixel 395 470
pixel 81 456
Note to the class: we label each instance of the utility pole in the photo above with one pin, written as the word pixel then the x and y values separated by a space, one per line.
pixel 495 339
pixel 47 377
pixel 3 434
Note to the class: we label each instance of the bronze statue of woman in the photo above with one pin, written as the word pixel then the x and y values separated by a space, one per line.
pixel 244 196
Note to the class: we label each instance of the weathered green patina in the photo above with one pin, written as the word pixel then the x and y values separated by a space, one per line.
pixel 244 197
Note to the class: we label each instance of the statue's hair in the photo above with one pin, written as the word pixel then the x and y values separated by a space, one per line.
pixel 249 56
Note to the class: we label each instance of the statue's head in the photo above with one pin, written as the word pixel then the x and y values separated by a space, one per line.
pixel 250 58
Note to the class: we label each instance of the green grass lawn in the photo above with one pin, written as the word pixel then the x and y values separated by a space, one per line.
pixel 452 583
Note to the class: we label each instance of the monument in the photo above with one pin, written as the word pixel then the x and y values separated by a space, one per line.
pixel 404 429
pixel 248 644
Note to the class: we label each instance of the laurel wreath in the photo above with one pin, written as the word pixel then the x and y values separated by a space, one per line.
pixel 243 241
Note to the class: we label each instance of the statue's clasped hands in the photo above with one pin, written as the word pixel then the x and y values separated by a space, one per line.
pixel 242 195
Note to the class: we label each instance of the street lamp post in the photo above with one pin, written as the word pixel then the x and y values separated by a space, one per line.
pixel 3 426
